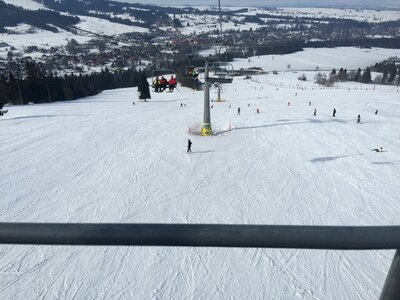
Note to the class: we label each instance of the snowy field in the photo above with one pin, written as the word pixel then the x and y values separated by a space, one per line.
pixel 364 15
pixel 106 27
pixel 209 23
pixel 41 38
pixel 47 39
pixel 102 159
pixel 319 58
pixel 27 4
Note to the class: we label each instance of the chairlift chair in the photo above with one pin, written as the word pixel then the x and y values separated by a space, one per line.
pixel 198 79
pixel 160 72
pixel 189 72
pixel 222 73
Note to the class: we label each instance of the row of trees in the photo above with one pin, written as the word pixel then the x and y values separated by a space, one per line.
pixel 38 88
pixel 344 75
pixel 390 70
pixel 390 75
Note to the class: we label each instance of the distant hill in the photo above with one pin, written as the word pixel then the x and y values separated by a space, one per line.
pixel 50 14
pixel 11 16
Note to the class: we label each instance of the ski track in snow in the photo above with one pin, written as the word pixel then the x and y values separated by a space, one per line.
pixel 101 159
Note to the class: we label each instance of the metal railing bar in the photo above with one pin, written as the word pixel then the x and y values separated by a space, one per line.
pixel 391 289
pixel 203 235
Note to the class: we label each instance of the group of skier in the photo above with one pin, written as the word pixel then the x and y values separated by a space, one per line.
pixel 161 84
pixel 334 114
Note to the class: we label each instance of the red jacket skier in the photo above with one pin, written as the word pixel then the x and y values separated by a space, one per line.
pixel 172 83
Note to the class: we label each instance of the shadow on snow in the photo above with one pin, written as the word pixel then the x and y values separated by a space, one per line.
pixel 277 124
pixel 331 158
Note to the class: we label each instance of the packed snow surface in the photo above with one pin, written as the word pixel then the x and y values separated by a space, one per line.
pixel 101 159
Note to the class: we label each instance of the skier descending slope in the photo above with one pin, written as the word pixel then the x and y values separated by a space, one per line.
pixel 189 146
pixel 380 149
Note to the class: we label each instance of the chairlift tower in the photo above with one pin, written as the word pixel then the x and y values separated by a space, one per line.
pixel 216 78
pixel 221 38
pixel 206 129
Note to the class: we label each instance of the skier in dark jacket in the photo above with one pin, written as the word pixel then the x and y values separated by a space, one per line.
pixel 163 84
pixel 334 112
pixel 358 118
pixel 189 146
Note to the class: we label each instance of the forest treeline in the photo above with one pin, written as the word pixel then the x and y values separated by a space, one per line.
pixel 36 87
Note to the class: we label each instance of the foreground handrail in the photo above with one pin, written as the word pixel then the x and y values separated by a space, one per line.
pixel 209 235
pixel 203 235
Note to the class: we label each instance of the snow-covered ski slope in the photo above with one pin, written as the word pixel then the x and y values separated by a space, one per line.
pixel 102 159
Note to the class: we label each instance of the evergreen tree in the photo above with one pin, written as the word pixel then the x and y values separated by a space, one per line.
pixel 3 90
pixel 357 76
pixel 34 86
pixel 13 90
pixel 384 77
pixel 342 75
pixel 73 47
pixel 392 72
pixel 176 23
pixel 143 87
pixel 366 76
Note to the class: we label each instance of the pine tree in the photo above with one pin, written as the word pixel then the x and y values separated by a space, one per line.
pixel 357 76
pixel 3 91
pixel 13 90
pixel 366 76
pixel 143 87
pixel 392 72
pixel 34 85
pixel 342 75
pixel 384 77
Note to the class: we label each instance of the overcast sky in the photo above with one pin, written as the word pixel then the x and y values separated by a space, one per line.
pixel 266 3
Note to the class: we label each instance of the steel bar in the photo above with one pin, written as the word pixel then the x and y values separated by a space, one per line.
pixel 391 289
pixel 203 235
